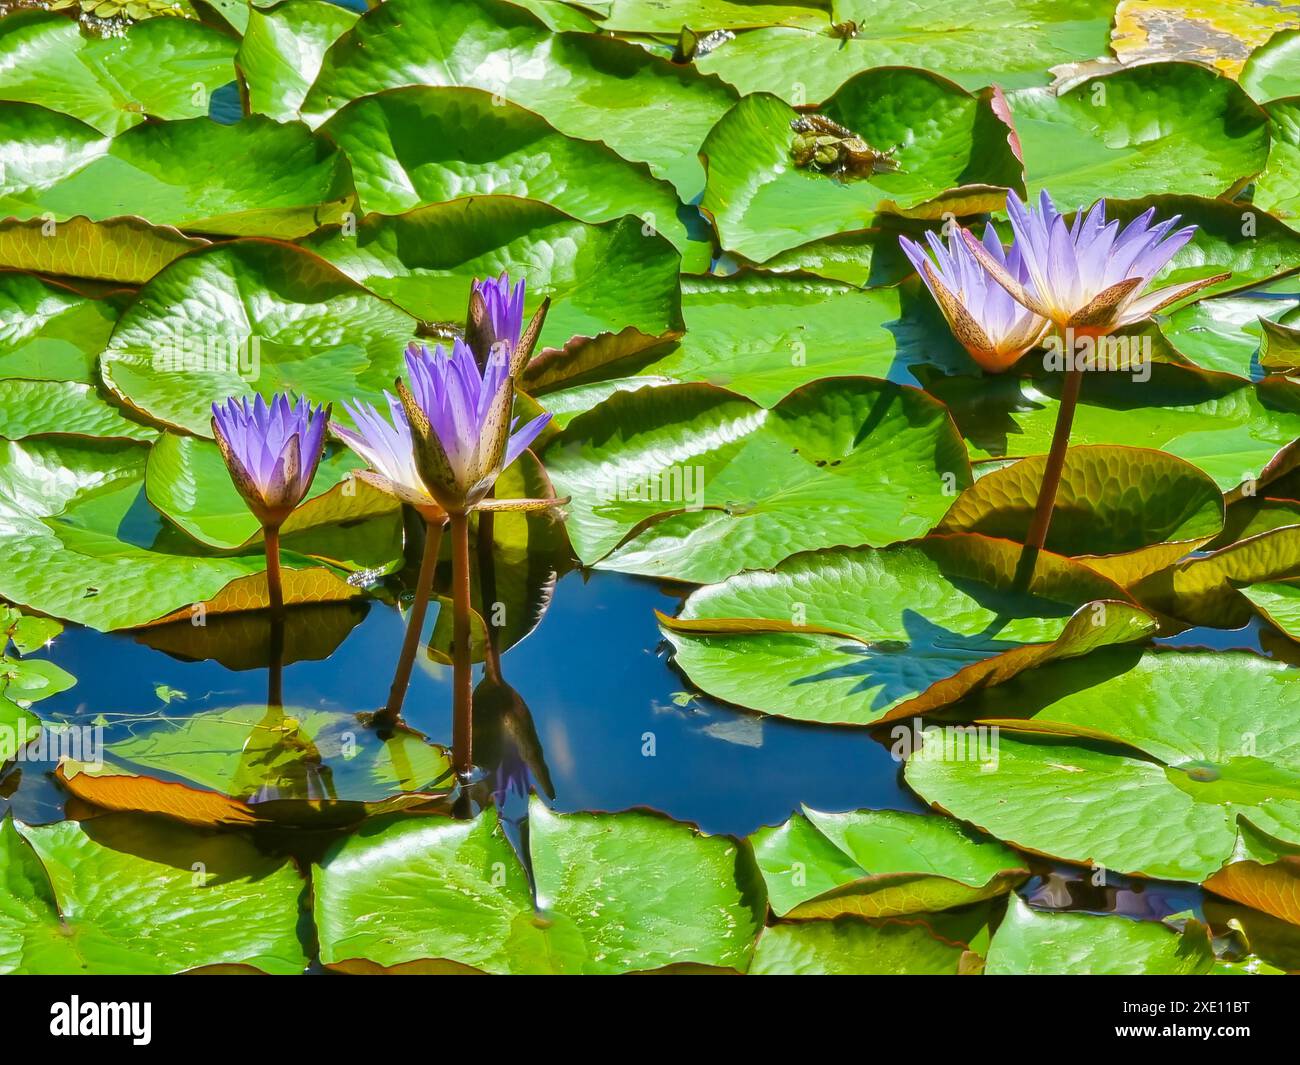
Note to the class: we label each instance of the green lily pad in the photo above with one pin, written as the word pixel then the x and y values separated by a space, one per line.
pixel 48 332
pixel 849 946
pixel 1012 43
pixel 1108 768
pixel 1279 602
pixel 1226 427
pixel 124 894
pixel 187 480
pixel 82 543
pixel 1273 71
pixel 1203 590
pixel 614 289
pixel 817 640
pixel 1127 512
pixel 1224 333
pixel 1098 137
pixel 595 88
pixel 878 863
pixel 710 484
pixel 763 336
pixel 120 249
pixel 26 632
pixel 615 893
pixel 281 51
pixel 1279 347
pixel 252 317
pixel 164 68
pixel 1278 189
pixel 63 408
pixel 668 16
pixel 263 754
pixel 416 146
pixel 952 151
pixel 1032 942
pixel 287 183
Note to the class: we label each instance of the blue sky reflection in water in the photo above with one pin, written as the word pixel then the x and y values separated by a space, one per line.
pixel 596 681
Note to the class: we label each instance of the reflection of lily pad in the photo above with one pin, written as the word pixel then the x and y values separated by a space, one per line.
pixel 261 754
pixel 878 863
pixel 1112 769
pixel 854 636
pixel 602 906
pixel 1034 943
pixel 126 894
pixel 711 484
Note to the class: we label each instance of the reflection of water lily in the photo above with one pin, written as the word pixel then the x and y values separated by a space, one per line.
pixel 1090 275
pixel 989 324
pixel 460 416
pixel 272 451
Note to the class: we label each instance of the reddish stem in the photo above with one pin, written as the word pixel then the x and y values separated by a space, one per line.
pixel 462 724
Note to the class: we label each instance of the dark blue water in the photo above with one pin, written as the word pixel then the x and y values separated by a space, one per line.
pixel 601 693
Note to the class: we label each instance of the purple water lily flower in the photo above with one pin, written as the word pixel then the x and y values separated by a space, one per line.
pixel 459 414
pixel 1089 276
pixel 272 451
pixel 385 445
pixel 988 323
pixel 496 322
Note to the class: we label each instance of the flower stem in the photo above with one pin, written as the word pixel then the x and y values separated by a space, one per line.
pixel 274 585
pixel 462 724
pixel 1042 518
pixel 392 711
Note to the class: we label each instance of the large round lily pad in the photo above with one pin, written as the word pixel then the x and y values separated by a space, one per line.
pixel 952 153
pixel 125 894
pixel 596 88
pixel 288 181
pixel 1108 767
pixel 614 893
pixel 818 638
pixel 614 288
pixel 421 145
pixel 1098 136
pixel 764 336
pixel 164 68
pixel 252 317
pixel 711 484
pixel 1012 43
pixel 48 332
